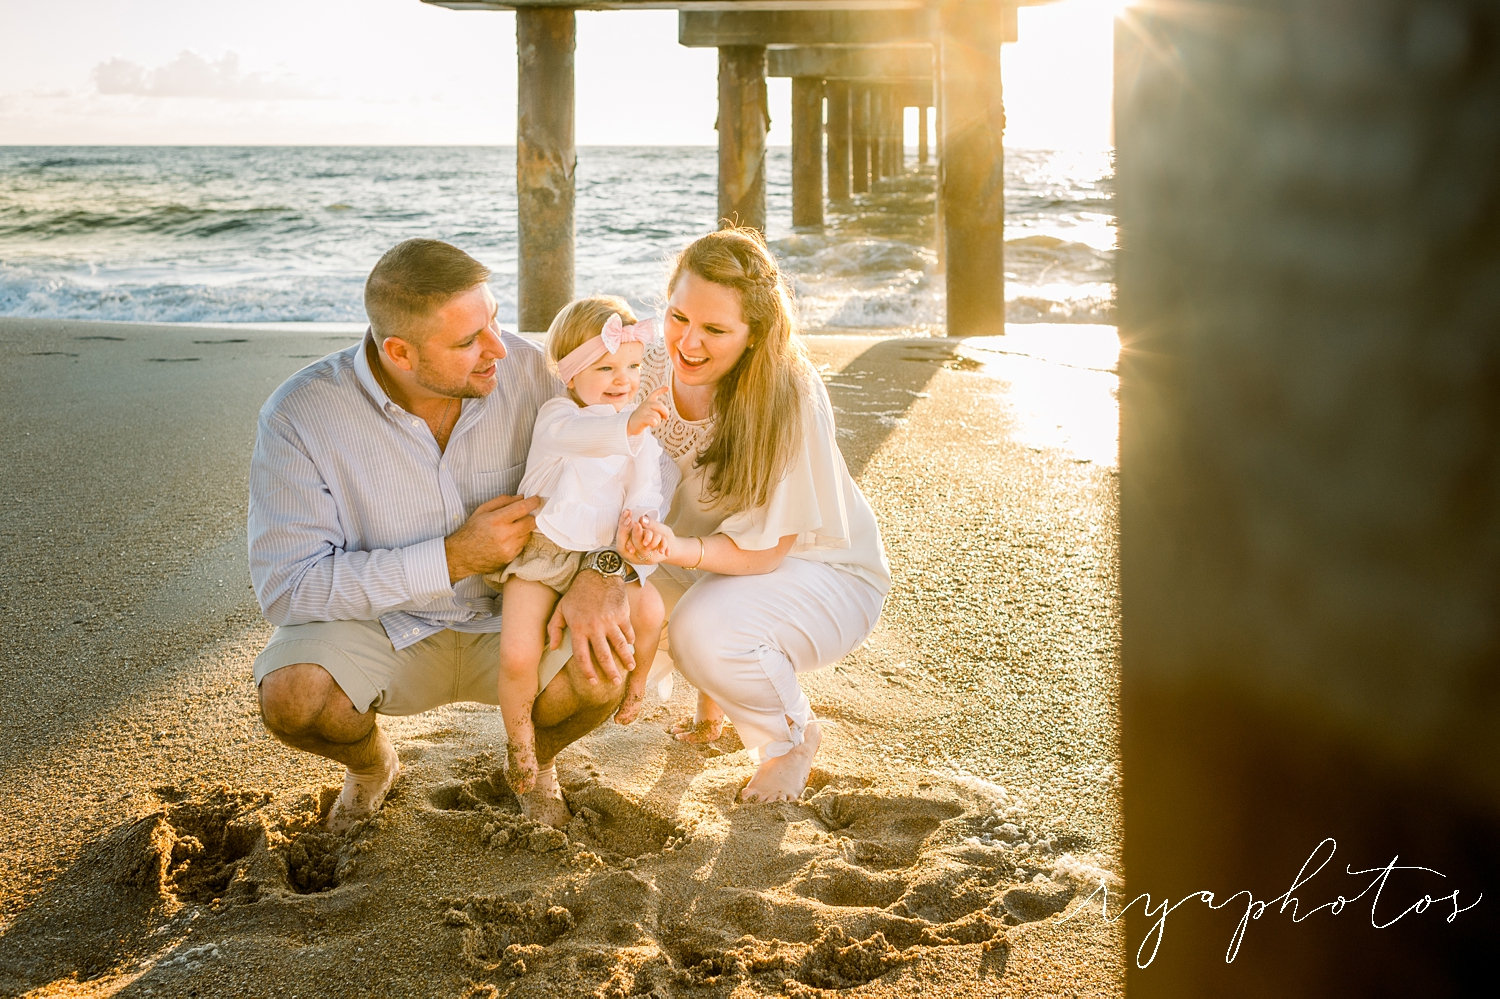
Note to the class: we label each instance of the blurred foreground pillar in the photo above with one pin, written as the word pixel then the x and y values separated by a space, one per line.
pixel 1309 306
pixel 545 163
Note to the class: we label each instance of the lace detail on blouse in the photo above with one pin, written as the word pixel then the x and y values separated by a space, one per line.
pixel 679 437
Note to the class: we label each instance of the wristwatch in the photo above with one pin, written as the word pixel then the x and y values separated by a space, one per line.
pixel 606 562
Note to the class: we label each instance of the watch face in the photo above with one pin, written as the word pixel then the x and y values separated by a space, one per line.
pixel 609 561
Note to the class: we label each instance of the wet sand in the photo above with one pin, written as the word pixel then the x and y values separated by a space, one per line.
pixel 155 841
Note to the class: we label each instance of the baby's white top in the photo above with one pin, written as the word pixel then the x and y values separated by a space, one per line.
pixel 589 468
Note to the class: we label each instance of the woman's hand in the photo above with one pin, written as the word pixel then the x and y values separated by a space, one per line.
pixel 650 413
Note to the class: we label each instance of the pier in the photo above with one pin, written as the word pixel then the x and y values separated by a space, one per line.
pixel 855 66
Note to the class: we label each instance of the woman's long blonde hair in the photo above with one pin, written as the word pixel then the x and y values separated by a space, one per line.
pixel 758 403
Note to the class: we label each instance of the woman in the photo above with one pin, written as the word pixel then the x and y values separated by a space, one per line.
pixel 773 563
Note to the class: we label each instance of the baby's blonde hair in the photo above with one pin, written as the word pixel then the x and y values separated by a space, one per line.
pixel 581 320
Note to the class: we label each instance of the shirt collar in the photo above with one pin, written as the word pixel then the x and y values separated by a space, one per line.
pixel 366 373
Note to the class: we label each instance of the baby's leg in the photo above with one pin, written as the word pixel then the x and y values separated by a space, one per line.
pixel 646 615
pixel 525 607
pixel 706 725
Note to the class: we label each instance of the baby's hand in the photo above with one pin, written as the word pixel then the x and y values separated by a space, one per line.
pixel 653 538
pixel 622 536
pixel 650 412
pixel 636 540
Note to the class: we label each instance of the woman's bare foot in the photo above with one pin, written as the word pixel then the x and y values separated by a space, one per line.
pixel 630 707
pixel 706 725
pixel 544 802
pixel 783 778
pixel 364 792
pixel 520 765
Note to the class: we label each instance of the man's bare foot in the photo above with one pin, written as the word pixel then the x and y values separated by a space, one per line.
pixel 706 725
pixel 363 794
pixel 630 707
pixel 520 765
pixel 544 802
pixel 783 778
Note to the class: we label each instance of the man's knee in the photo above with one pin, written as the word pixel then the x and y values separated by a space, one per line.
pixel 294 698
pixel 606 693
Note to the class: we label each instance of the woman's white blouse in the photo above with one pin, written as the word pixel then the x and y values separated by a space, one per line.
pixel 817 499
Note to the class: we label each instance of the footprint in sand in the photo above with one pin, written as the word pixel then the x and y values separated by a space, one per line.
pixel 880 830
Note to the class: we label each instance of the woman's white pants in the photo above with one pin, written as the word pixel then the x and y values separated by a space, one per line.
pixel 742 640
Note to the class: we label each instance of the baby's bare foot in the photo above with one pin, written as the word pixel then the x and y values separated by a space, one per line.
pixel 520 765
pixel 544 802
pixel 364 792
pixel 630 707
pixel 706 725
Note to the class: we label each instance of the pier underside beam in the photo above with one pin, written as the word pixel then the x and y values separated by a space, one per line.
pixel 838 62
pixel 707 29
pixel 545 162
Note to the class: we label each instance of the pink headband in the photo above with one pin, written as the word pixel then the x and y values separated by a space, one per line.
pixel 608 341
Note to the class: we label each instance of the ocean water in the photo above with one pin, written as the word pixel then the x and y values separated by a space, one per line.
pixel 287 234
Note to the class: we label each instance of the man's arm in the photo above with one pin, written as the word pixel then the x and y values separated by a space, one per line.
pixel 299 562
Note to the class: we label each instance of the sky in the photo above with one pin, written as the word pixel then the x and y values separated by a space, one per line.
pixel 397 72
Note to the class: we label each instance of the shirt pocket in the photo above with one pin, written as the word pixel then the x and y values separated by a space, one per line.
pixel 485 486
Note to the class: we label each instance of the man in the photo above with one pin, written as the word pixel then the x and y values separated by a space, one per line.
pixel 380 491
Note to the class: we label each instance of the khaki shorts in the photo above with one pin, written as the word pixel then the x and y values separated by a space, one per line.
pixel 443 668
pixel 542 561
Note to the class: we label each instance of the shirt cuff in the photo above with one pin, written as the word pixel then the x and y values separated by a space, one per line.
pixel 427 571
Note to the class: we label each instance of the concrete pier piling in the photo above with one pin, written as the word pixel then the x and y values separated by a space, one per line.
pixel 807 151
pixel 743 122
pixel 545 163
pixel 837 92
pixel 859 110
pixel 971 165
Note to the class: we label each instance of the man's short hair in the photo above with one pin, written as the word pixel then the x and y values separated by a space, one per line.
pixel 412 280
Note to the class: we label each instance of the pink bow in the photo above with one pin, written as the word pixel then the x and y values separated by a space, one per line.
pixel 610 338
pixel 616 332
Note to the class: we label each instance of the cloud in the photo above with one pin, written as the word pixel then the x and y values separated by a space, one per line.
pixel 191 75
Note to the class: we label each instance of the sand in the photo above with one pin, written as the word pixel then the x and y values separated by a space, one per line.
pixel 155 841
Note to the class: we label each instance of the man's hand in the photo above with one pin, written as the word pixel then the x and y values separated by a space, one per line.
pixel 596 610
pixel 494 534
